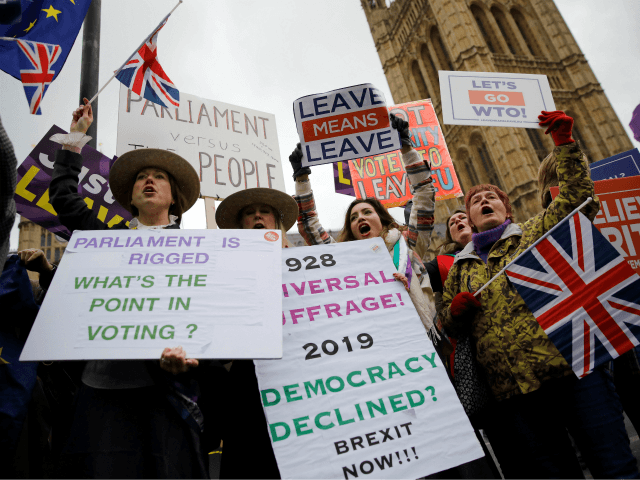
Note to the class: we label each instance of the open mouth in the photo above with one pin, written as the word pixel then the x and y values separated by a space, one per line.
pixel 259 225
pixel 487 210
pixel 148 190
pixel 461 227
pixel 364 229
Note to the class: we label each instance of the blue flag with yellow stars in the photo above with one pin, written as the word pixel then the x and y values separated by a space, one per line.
pixel 54 22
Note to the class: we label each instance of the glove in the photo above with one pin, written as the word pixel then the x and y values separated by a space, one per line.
pixel 559 124
pixel 296 163
pixel 464 304
pixel 403 129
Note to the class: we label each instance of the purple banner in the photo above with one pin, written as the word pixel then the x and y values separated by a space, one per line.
pixel 342 178
pixel 34 176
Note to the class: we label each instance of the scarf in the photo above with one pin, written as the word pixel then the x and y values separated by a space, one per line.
pixel 482 242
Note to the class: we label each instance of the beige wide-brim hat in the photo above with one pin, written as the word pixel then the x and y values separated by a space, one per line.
pixel 123 173
pixel 229 210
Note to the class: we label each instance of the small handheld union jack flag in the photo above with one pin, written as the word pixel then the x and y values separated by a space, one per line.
pixel 582 292
pixel 36 60
pixel 143 74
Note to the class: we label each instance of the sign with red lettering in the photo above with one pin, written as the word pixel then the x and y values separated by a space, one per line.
pixel 344 124
pixel 494 99
pixel 34 177
pixel 384 176
pixel 619 216
pixel 232 148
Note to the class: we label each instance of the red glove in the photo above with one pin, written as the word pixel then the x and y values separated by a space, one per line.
pixel 464 304
pixel 560 125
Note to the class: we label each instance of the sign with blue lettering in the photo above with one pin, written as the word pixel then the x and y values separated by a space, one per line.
pixel 622 165
pixel 344 124
pixel 494 99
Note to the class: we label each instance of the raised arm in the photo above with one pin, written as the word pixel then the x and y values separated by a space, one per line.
pixel 309 225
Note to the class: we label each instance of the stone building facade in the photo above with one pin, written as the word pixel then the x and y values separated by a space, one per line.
pixel 35 236
pixel 416 38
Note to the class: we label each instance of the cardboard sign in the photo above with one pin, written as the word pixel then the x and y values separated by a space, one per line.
pixel 360 390
pixel 232 148
pixel 34 177
pixel 494 99
pixel 384 176
pixel 128 294
pixel 344 124
pixel 622 165
pixel 342 179
pixel 619 216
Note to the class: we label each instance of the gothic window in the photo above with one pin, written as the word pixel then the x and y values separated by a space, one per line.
pixel 538 146
pixel 441 52
pixel 507 34
pixel 48 254
pixel 423 91
pixel 48 240
pixel 484 162
pixel 432 70
pixel 528 36
pixel 57 256
pixel 42 239
pixel 485 29
pixel 465 171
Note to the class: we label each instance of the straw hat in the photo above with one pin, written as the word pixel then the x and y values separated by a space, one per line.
pixel 228 211
pixel 123 173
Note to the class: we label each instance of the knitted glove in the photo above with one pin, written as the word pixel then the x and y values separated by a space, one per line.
pixel 464 304
pixel 560 125
pixel 403 129
pixel 296 163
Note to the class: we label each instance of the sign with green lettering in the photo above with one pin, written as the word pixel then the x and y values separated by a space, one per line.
pixel 360 390
pixel 128 294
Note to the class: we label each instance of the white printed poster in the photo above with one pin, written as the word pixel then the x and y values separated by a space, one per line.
pixel 232 148
pixel 344 124
pixel 360 390
pixel 128 294
pixel 494 99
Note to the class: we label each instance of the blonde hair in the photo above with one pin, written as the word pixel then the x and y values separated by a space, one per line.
pixel 548 177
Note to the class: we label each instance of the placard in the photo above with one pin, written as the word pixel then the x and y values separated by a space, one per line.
pixel 494 99
pixel 342 179
pixel 128 294
pixel 232 148
pixel 34 177
pixel 622 165
pixel 619 216
pixel 360 390
pixel 344 124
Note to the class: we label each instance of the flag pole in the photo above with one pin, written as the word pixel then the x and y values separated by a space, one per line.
pixel 134 52
pixel 588 200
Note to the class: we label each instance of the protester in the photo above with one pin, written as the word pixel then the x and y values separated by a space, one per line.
pixel 254 208
pixel 367 218
pixel 132 419
pixel 8 165
pixel 538 393
pixel 35 260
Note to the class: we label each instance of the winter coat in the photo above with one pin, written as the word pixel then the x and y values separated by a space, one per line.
pixel 420 225
pixel 512 347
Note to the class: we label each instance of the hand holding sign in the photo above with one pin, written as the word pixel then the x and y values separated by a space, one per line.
pixel 296 162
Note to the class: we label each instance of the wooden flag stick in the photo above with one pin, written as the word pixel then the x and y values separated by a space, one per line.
pixel 588 200
pixel 134 52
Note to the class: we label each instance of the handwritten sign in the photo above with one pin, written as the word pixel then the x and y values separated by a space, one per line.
pixel 344 124
pixel 34 177
pixel 494 99
pixel 360 390
pixel 128 294
pixel 232 148
pixel 622 165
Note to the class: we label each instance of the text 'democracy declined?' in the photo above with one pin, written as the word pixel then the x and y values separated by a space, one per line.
pixel 128 294
pixel 360 390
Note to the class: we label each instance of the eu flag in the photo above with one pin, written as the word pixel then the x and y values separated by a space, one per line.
pixel 55 22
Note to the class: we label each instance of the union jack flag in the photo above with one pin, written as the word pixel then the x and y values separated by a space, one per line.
pixel 582 292
pixel 36 74
pixel 143 74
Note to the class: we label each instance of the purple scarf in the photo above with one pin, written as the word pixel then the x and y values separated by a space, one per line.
pixel 482 242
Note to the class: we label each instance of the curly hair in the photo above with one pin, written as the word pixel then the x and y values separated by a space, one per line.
pixel 485 187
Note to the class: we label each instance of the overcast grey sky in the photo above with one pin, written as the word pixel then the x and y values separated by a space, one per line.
pixel 264 55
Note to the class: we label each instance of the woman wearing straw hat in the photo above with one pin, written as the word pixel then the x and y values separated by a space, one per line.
pixel 131 419
pixel 254 208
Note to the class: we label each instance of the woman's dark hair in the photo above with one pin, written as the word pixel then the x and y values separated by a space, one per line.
pixel 179 201
pixel 387 221
pixel 450 245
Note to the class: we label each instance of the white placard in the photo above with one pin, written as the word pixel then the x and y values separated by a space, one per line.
pixel 494 99
pixel 232 148
pixel 360 390
pixel 344 124
pixel 128 294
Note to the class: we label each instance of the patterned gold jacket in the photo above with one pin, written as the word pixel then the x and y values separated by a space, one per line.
pixel 516 354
